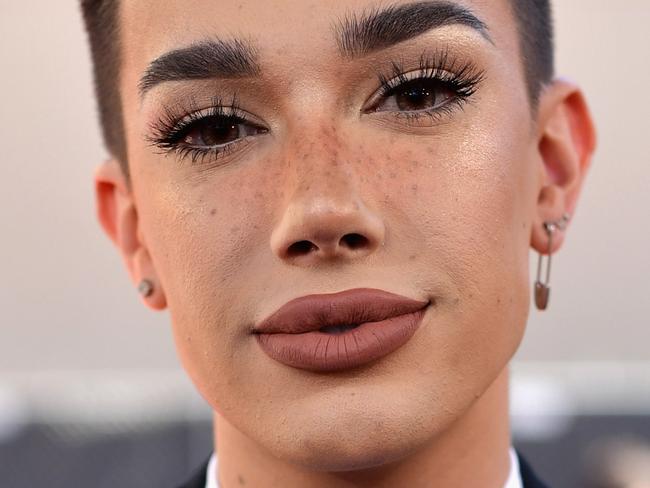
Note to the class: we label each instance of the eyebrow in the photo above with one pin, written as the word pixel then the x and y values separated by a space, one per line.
pixel 356 35
pixel 385 27
pixel 208 59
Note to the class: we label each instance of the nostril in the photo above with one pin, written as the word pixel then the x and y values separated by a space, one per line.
pixel 300 248
pixel 354 241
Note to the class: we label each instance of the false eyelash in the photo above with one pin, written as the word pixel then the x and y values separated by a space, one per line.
pixel 461 78
pixel 170 129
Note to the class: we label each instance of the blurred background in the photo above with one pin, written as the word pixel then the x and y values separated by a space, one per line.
pixel 91 392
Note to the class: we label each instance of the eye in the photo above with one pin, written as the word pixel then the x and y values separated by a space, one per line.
pixel 205 135
pixel 441 84
pixel 416 95
pixel 215 131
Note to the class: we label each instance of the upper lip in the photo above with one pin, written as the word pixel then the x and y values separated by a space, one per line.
pixel 350 307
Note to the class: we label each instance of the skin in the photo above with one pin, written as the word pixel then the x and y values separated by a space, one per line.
pixel 450 210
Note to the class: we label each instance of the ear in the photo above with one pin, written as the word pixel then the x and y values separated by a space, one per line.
pixel 117 213
pixel 566 139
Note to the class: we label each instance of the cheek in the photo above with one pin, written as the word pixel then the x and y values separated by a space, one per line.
pixel 468 206
pixel 206 238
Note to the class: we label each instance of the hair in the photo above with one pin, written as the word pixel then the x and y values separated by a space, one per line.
pixel 101 17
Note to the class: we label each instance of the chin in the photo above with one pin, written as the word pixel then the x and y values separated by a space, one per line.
pixel 350 436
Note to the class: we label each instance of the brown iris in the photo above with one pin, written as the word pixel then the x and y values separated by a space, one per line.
pixel 421 95
pixel 213 133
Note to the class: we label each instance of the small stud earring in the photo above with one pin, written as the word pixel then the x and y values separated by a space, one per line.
pixel 145 288
pixel 542 289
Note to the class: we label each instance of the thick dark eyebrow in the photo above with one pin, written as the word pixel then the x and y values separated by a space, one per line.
pixel 361 34
pixel 207 59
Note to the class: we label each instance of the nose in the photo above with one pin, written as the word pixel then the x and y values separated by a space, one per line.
pixel 326 219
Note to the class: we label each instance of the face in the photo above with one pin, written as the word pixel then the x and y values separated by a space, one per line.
pixel 425 149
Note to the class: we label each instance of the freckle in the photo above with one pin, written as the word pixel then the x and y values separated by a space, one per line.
pixel 213 211
pixel 415 163
pixel 412 257
pixel 393 175
pixel 498 301
pixel 241 479
pixel 258 194
pixel 234 230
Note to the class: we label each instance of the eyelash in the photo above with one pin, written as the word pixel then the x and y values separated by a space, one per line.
pixel 170 130
pixel 461 79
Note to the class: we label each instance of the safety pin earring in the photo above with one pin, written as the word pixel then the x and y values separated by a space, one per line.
pixel 542 289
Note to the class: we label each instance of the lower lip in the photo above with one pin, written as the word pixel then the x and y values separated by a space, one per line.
pixel 323 352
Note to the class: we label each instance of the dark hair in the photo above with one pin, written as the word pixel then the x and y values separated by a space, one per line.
pixel 101 19
pixel 534 23
pixel 535 26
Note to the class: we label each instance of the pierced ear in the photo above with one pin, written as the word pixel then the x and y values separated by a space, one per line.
pixel 566 142
pixel 118 216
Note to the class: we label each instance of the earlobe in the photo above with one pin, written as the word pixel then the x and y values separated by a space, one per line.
pixel 566 142
pixel 118 216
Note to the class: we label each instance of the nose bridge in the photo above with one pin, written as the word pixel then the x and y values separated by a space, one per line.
pixel 325 215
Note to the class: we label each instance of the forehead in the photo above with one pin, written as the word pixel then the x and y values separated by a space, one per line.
pixel 290 30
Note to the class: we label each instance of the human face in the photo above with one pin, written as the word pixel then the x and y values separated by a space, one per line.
pixel 444 201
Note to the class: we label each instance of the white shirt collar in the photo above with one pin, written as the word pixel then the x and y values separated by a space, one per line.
pixel 514 478
pixel 211 473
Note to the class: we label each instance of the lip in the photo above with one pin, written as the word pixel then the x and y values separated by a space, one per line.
pixel 383 323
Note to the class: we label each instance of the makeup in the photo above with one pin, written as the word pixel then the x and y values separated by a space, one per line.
pixel 333 332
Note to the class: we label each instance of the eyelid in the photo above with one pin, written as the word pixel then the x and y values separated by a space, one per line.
pixel 227 111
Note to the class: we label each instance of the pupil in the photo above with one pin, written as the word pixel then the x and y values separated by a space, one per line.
pixel 416 97
pixel 213 135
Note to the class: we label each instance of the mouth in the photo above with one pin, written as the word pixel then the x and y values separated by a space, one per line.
pixel 337 329
pixel 332 332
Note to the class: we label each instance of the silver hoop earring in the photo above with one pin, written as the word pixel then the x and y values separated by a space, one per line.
pixel 542 289
pixel 145 288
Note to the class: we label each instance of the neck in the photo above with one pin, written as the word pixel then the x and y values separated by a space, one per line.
pixel 473 452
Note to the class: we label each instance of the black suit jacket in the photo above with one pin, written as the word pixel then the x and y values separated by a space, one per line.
pixel 530 480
